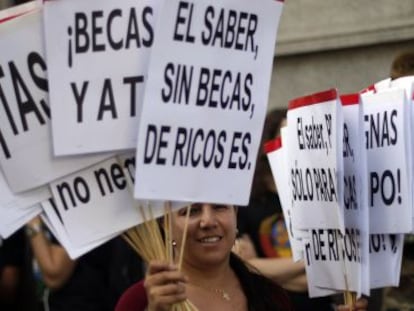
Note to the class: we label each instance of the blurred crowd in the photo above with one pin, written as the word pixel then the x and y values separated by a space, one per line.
pixel 94 282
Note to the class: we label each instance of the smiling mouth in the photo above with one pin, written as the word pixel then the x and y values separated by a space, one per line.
pixel 210 239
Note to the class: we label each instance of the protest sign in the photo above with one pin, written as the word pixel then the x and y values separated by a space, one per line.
pixel 340 261
pixel 311 274
pixel 14 219
pixel 276 155
pixel 24 110
pixel 297 244
pixel 389 199
pixel 53 221
pixel 335 258
pixel 205 100
pixel 97 53
pixel 17 209
pixel 355 189
pixel 95 202
pixel 315 161
pixel 407 84
pixel 385 259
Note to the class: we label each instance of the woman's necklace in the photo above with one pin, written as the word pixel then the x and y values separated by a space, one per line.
pixel 220 292
pixel 232 300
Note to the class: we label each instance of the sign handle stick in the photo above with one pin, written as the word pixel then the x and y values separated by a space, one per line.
pixel 350 298
pixel 184 239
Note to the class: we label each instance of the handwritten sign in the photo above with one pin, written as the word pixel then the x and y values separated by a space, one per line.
pixel 205 101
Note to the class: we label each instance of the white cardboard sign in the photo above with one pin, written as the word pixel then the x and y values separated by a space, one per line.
pixel 355 191
pixel 276 154
pixel 205 100
pixel 338 261
pixel 385 259
pixel 407 83
pixel 95 203
pixel 53 221
pixel 97 53
pixel 312 274
pixel 315 161
pixel 12 220
pixel 24 110
pixel 335 259
pixel 389 197
pixel 17 209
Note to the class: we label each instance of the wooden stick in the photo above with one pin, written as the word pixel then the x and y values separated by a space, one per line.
pixel 168 232
pixel 350 298
pixel 168 250
pixel 147 241
pixel 156 234
pixel 184 238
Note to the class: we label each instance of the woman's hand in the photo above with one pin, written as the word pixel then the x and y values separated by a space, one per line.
pixel 36 221
pixel 360 305
pixel 165 286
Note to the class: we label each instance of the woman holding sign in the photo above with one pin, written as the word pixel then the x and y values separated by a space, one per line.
pixel 212 277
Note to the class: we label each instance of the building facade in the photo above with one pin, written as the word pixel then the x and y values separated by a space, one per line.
pixel 338 43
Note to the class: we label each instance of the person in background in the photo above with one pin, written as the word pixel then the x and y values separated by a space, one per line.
pixel 402 65
pixel 16 287
pixel 264 239
pixel 93 282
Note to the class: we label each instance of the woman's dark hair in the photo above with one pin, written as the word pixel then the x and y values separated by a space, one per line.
pixel 262 174
pixel 262 294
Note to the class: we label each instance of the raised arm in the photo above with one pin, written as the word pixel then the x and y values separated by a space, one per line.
pixel 284 271
pixel 54 262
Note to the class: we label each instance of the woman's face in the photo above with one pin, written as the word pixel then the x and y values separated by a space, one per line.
pixel 210 235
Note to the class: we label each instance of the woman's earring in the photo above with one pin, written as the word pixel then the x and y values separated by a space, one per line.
pixel 236 247
pixel 174 243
